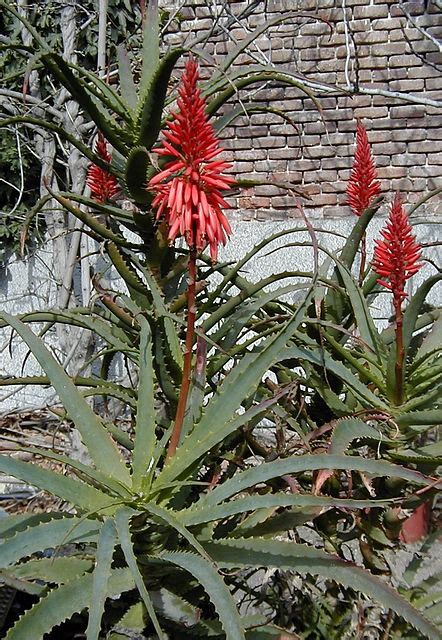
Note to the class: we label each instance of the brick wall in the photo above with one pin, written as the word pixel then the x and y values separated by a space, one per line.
pixel 387 51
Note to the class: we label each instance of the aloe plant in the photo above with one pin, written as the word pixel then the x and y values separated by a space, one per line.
pixel 170 534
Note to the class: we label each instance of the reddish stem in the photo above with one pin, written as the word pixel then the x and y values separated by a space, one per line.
pixel 399 391
pixel 187 368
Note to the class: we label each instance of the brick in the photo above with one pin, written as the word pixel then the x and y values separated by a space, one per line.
pixel 312 189
pixel 317 54
pixel 392 149
pixel 409 33
pixel 408 111
pixel 338 138
pixel 336 212
pixel 435 158
pixel 319 127
pixel 371 112
pixel 398 123
pixel 282 55
pixel 433 83
pixel 428 146
pixel 424 72
pixel 412 8
pixel 371 37
pixel 375 63
pixel 282 154
pixel 237 143
pixel 425 46
pixel 379 136
pixel 256 154
pixel 326 199
pixel 388 23
pixel 392 172
pixel 267 165
pixel 334 187
pixel 267 190
pixel 303 165
pixel 334 163
pixel 408 86
pixel 320 152
pixel 404 61
pixel 244 130
pixel 409 160
pixel 304 42
pixel 389 48
pixel 409 134
pixel 243 167
pixel 363 51
pixel 375 11
pixel 269 142
pixel 282 201
pixel 315 29
pixel 331 40
pixel 340 115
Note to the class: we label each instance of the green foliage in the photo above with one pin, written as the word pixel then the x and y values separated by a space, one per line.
pixel 290 424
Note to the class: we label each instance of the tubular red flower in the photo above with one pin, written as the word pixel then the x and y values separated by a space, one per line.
pixel 188 189
pixel 103 185
pixel 396 256
pixel 363 185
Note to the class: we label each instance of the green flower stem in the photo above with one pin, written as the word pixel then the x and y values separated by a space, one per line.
pixel 187 368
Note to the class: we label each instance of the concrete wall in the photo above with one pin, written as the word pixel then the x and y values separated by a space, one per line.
pixel 30 285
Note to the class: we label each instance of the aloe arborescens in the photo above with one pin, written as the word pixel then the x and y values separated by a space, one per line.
pixel 102 183
pixel 396 259
pixel 188 195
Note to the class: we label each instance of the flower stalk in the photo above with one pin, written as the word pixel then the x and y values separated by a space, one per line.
pixel 363 186
pixel 396 259
pixel 188 197
pixel 103 185
pixel 187 365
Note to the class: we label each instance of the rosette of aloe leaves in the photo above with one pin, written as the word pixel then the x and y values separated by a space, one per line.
pixel 161 530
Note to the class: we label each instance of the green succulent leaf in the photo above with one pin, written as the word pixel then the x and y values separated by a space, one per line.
pixel 77 493
pixel 304 559
pixel 100 446
pixel 150 106
pixel 145 439
pixel 297 464
pixel 194 516
pixel 61 603
pixel 151 46
pixel 122 522
pixel 137 174
pixel 58 570
pixel 48 535
pixel 219 594
pixel 127 84
pixel 101 576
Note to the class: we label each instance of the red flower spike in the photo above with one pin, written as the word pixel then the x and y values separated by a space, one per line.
pixel 103 185
pixel 396 256
pixel 363 185
pixel 188 189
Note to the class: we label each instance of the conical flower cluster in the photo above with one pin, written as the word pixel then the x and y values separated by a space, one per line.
pixel 103 185
pixel 396 256
pixel 363 185
pixel 188 189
